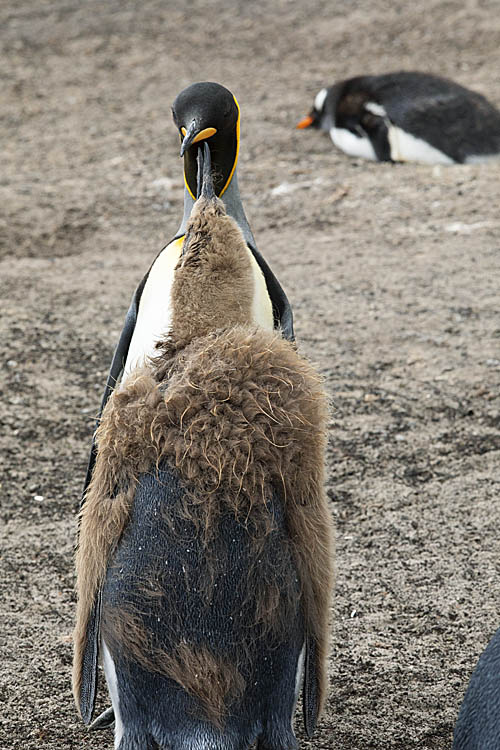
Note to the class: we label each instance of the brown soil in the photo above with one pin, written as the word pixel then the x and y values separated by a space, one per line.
pixel 393 273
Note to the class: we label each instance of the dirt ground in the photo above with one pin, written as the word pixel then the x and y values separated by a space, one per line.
pixel 393 273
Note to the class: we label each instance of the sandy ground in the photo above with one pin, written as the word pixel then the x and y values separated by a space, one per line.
pixel 393 272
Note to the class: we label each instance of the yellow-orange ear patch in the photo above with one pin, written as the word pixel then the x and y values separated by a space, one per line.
pixel 206 133
pixel 203 134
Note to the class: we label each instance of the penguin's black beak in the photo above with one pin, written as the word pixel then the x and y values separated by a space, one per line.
pixel 189 136
pixel 193 135
pixel 205 183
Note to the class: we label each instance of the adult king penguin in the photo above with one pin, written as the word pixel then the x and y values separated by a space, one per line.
pixel 407 116
pixel 204 564
pixel 202 112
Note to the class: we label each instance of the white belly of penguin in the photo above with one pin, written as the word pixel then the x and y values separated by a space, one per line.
pixel 481 158
pixel 262 309
pixel 406 147
pixel 154 318
pixel 352 144
pixel 110 672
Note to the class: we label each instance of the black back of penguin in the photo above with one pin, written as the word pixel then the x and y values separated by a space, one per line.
pixel 202 609
pixel 478 723
pixel 458 124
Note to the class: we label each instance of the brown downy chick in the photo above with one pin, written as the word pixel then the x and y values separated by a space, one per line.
pixel 205 549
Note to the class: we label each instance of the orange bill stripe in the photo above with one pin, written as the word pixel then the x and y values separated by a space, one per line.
pixel 305 122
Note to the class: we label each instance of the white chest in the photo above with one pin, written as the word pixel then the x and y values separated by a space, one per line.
pixel 154 318
pixel 262 309
pixel 352 144
pixel 406 147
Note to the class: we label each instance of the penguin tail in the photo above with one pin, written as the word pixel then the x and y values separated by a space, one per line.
pixel 310 695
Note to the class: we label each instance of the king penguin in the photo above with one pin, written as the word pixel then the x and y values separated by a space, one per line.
pixel 407 117
pixel 204 111
pixel 204 565
pixel 478 722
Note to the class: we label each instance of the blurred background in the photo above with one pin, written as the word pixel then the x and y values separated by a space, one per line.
pixel 392 271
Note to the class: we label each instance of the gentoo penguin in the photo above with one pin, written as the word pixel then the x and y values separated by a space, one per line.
pixel 202 112
pixel 478 723
pixel 204 562
pixel 407 116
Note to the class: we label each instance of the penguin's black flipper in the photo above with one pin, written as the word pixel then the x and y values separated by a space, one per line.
pixel 376 128
pixel 91 651
pixel 117 365
pixel 89 662
pixel 310 692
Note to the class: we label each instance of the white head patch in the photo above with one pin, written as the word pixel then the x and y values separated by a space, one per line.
pixel 320 99
pixel 375 109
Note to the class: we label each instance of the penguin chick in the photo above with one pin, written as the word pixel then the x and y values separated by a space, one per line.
pixel 204 568
pixel 407 116
pixel 213 283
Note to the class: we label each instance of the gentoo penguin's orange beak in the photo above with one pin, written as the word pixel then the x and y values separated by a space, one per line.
pixel 193 135
pixel 306 122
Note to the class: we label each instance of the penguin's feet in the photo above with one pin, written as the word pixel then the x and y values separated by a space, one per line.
pixel 106 720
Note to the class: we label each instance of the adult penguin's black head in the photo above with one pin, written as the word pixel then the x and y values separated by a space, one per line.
pixel 208 111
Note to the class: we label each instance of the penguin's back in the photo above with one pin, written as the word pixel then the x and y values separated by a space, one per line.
pixel 195 661
pixel 205 546
pixel 411 116
pixel 459 122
